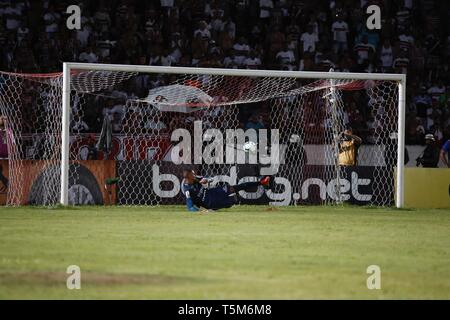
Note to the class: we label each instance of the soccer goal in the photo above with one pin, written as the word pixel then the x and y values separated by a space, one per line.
pixel 122 134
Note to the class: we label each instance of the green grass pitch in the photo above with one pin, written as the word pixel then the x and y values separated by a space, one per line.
pixel 247 252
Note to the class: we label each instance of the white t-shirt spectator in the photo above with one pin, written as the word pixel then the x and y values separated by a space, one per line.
pixel 231 62
pixel 265 13
pixel 405 42
pixel 168 60
pixel 239 60
pixel 286 57
pixel 435 92
pixel 252 63
pixel 362 50
pixel 241 53
pixel 387 57
pixel 241 48
pixel 309 41
pixel 204 33
pixel 340 30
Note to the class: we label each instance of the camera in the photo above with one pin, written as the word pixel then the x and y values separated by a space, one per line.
pixel 419 161
pixel 346 137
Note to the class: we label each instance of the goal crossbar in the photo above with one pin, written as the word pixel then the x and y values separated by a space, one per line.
pixel 236 72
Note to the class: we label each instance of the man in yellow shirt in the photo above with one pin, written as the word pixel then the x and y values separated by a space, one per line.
pixel 348 148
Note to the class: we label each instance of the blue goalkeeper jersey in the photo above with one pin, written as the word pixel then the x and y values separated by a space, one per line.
pixel 214 198
pixel 193 193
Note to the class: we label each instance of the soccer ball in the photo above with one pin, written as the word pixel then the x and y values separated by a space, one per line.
pixel 250 147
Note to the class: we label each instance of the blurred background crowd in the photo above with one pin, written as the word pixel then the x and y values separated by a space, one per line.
pixel 310 35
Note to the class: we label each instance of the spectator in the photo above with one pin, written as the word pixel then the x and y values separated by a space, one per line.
pixel 340 31
pixel 230 61
pixel 430 156
pixel 22 32
pixel 12 13
pixel 309 40
pixel 422 103
pixel 348 148
pixel 167 59
pixel 89 56
pixel 51 19
pixel 217 24
pixel 387 56
pixel 253 61
pixel 436 91
pixel 3 142
pixel 275 40
pixel 265 10
pixel 406 41
pixel 102 19
pixel 202 31
pixel 241 50
pixel 273 34
pixel 84 33
pixel 401 63
pixel 286 58
pixel 79 125
pixel 254 122
pixel 363 50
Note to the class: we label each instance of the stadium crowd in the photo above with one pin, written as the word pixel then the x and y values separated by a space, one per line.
pixel 311 35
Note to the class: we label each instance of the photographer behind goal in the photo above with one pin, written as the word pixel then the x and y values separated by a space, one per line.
pixel 430 156
pixel 348 148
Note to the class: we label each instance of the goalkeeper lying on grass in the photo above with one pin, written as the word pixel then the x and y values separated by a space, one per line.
pixel 198 193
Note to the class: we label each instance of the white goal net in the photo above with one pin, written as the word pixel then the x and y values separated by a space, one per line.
pixel 132 133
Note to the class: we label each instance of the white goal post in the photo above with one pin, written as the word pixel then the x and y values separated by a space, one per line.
pixel 66 101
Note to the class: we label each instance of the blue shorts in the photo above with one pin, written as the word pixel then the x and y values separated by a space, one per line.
pixel 217 198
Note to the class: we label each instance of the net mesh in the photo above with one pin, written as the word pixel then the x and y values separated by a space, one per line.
pixel 138 115
pixel 31 107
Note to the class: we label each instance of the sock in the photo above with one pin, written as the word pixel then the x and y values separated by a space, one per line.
pixel 246 186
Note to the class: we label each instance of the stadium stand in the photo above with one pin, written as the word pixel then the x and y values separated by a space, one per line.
pixel 288 35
